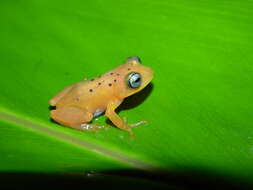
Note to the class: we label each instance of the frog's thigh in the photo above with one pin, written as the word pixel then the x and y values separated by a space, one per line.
pixel 116 120
pixel 71 116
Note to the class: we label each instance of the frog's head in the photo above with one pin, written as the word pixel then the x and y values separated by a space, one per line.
pixel 137 76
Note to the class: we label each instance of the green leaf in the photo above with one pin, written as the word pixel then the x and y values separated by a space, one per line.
pixel 199 106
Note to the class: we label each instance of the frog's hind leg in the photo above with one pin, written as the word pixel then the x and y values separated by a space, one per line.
pixel 70 116
pixel 74 117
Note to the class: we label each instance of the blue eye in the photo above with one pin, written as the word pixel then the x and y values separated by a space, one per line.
pixel 134 59
pixel 134 80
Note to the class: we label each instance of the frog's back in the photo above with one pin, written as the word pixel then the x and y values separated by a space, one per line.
pixel 68 95
pixel 97 92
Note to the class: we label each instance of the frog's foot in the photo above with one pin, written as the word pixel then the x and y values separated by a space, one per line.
pixel 128 126
pixel 138 123
pixel 143 122
pixel 91 127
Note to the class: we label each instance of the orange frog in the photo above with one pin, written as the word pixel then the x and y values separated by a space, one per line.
pixel 77 104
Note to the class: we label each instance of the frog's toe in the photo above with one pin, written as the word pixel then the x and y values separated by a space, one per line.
pixel 91 127
pixel 137 124
pixel 130 125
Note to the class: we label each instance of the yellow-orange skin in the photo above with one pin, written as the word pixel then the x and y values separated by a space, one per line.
pixel 77 104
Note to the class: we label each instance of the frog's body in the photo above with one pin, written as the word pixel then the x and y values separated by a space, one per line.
pixel 76 105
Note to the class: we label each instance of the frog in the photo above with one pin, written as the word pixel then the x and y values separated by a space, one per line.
pixel 78 104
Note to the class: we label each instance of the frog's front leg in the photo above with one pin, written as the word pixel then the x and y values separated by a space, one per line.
pixel 75 117
pixel 116 120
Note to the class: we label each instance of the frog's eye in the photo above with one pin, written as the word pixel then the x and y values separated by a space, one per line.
pixel 134 60
pixel 134 80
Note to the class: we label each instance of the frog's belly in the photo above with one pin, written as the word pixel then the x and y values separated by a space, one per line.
pixel 98 112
